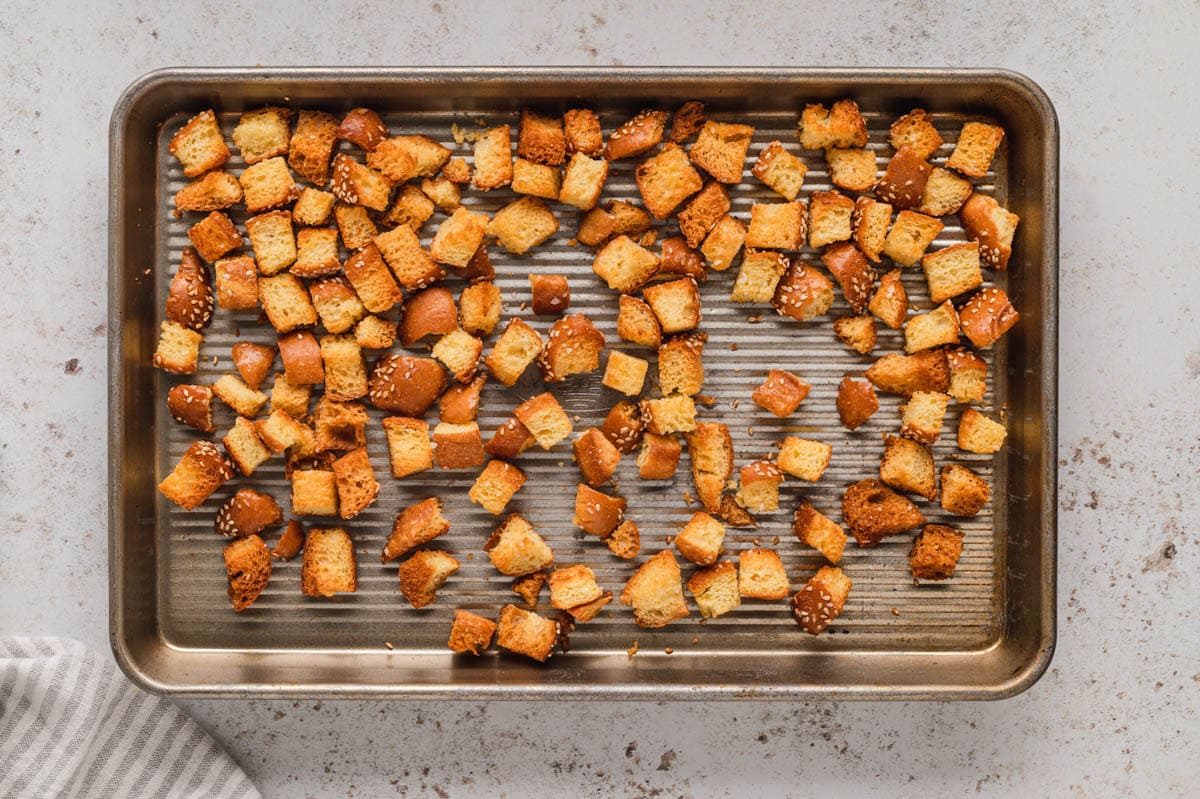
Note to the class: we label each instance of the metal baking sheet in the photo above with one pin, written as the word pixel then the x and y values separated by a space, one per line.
pixel 986 633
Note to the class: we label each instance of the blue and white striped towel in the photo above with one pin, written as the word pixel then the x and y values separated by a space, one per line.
pixel 72 725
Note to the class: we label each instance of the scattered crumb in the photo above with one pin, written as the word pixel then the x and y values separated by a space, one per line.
pixel 633 650
pixel 705 399
pixel 572 242
pixel 145 271
pixel 524 305
pixel 756 543
pixel 735 404
pixel 575 417
pixel 695 639
pixel 388 644
pixel 669 651
pixel 750 432
pixel 754 319
pixel 688 498
pixel 648 238
pixel 733 346
pixel 895 611
pixel 776 540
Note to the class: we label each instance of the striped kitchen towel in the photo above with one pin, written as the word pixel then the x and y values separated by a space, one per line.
pixel 72 725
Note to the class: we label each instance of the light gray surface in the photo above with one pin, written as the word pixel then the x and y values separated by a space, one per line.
pixel 1117 711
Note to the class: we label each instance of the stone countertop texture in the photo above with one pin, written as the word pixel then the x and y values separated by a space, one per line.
pixel 1116 714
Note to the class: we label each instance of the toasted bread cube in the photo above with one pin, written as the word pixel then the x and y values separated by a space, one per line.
pixel 977 433
pixel 529 587
pixel 851 168
pixel 873 511
pixel 856 402
pixel 458 238
pixel 781 393
pixel 761 575
pixel 582 181
pixel 723 243
pixel 314 493
pixel 803 293
pixel 841 126
pixel 178 349
pixel 369 275
pixel 821 600
pixel 328 567
pixel 314 207
pixel 518 346
pixel 680 259
pixel 904 179
pixel 248 512
pixel 470 633
pixel 908 466
pixel 458 171
pixel 535 180
pixel 280 431
pixel 871 220
pixel 515 548
pixel 479 308
pixel 510 439
pixel 944 193
pixel 829 214
pixel 987 316
pixel 923 416
pixel 890 302
pixel 964 493
pixel 408 445
pixel 268 184
pixel 237 283
pixel 541 138
pixel 244 400
pixel 624 265
pixel 428 312
pixel 522 225
pixel 199 145
pixel 190 297
pixel 636 322
pixel 637 135
pixel 355 225
pixel 655 592
pixel 933 329
pixel 625 541
pixel 357 487
pixel 493 158
pixel 711 450
pixel 759 490
pixel 356 184
pixel 192 405
pixel 345 372
pixel 317 253
pixel 935 552
pixel 581 128
pixel 446 194
pixel 687 121
pixel 551 294
pixel 415 525
pixel 968 375
pixel 496 485
pixel 856 332
pixel 527 633
pixel 803 458
pixel 676 304
pixel 573 586
pixel 666 180
pixel 413 267
pixel 200 472
pixel 338 306
pixel 910 236
pixel 681 365
pixel 214 236
pixel 248 566
pixel 212 192
pixel 595 227
pixel 952 271
pixel 273 241
pixel 339 425
pixel 904 374
pixel 596 512
pixel 702 212
pixel 312 144
pixel 596 456
pixel 375 333
pixel 715 589
pixel 411 209
pixel 818 531
pixel 659 457
pixel 625 373
pixel 758 276
pixel 424 573
pixel 457 446
pixel 289 398
pixel 301 356
pixel 853 273
pixel 403 158
pixel 675 414
pixel 572 347
pixel 780 170
pixel 777 226
pixel 976 146
pixel 916 131
pixel 589 610
pixel 545 418
pixel 992 226
pixel 459 351
pixel 624 426
pixel 721 150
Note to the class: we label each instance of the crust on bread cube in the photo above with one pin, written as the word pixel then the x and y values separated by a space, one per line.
pixel 818 531
pixel 873 511
pixel 328 567
pixel 987 316
pixel 759 487
pixel 214 235
pixel 199 145
pixel 368 273
pixel 890 301
pixel 201 471
pixel 470 634
pixel 853 273
pixel 637 323
pixel 637 135
pixel 780 393
pixel 596 512
pixel 496 485
pixel 904 179
pixel 702 212
pixel 803 292
pixel 976 146
pixel 362 127
pixel 935 552
pixel 968 375
pixel 581 127
pixel 572 347
pixel 759 276
pixel 518 346
pixel 856 402
pixel 821 600
pixel 311 145
pixel 357 487
pixel 894 373
pixel 415 525
pixel 526 633
pixel 723 243
pixel 992 226
pixel 964 493
pixel 624 425
pixel 596 457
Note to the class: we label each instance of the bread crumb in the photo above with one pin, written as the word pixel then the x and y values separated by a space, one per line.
pixel 688 498
pixel 754 319
pixel 695 639
pixel 633 650
pixel 733 346
pixel 776 541
pixel 735 404
pixel 895 611
pixel 388 644
pixel 669 651
pixel 750 432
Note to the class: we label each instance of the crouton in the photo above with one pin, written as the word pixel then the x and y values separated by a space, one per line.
pixel 723 243
pixel 655 592
pixel 415 525
pixel 596 512
pixel 976 146
pixel 237 283
pixel 510 439
pixel 595 227
pixel 286 302
pixel 413 267
pixel 356 184
pixel 290 398
pixel 676 414
pixel 702 212
pixel 977 433
pixel 908 466
pixel 527 633
pixel 923 415
pixel 680 364
pixel 873 511
pixel 679 259
pixel 529 587
pixel 199 145
pixel 596 457
pixel 581 128
pixel 411 208
pixel 890 302
pixel 829 218
pixel 572 347
pixel 687 120
pixel 711 450
pixel 266 185
pixel 915 130
pixel 545 418
pixel 625 373
pixel 944 193
pixel 758 276
pixel 355 225
pixel 345 372
pixel 428 312
pixel 408 445
pixel 624 425
pixel 357 487
pixel 404 384
pixel 375 333
pixel 200 472
pixel 541 138
pixel 818 531
pixel 244 400
pixel 715 589
pixel 369 275
pixel 479 308
pixel 624 265
pixel 721 150
pixel 851 168
pixel 248 567
pixel 301 356
pixel 666 180
pixel 904 179
pixel 212 192
pixel 582 181
pixel 191 405
pixel 841 126
pixel 853 273
pixel 328 567
pixel 781 393
pixel 964 493
pixel 636 322
pixel 968 375
pixel 458 171
pixel 478 268
pixel 676 304
pixel 935 552
pixel 459 351
pixel 339 425
pixel 402 158
pixel 515 548
pixel 470 633
pixel 802 293
pixel 317 253
pixel 550 294
pixel 281 431
pixel 424 573
pixel 734 514
pixel 759 488
pixel 777 226
pixel 446 194
pixel 910 236
pixel 803 458
pixel 536 180
pixel 659 457
pixel 518 346
pixel 311 146
pixel 992 226
pixel 273 241
pixel 933 329
pixel 338 306
pixel 314 492
pixel 904 374
pixel 214 235
pixel 637 135
pixel 573 586
pixel 625 542
pixel 457 446
pixel 458 238
pixel 856 402
pixel 952 271
pixel 780 170
pixel 856 332
pixel 589 610
pixel 493 158
pixel 821 600
pixel 363 127
pixel 871 220
pixel 987 316
pixel 522 225
pixel 460 404
pixel 496 485
pixel 190 297
pixel 761 575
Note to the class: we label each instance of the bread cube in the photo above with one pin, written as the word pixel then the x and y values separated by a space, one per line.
pixel 597 513
pixel 457 446
pixel 977 433
pixel 212 192
pixel 582 181
pixel 666 180
pixel 301 356
pixel 536 180
pixel 317 253
pixel 840 126
pixel 679 259
pixel 273 241
pixel 355 225
pixel 339 425
pixel 700 539
pixel 915 130
pixel 715 589
pixel 428 312
pixel 873 511
pixel 624 265
pixel 458 238
pixel 470 633
pixel 987 316
pixel 357 487
pixel 803 292
pixel 856 402
pixel 851 168
pixel 411 209
pixel 522 225
pixel 403 158
pixel 723 243
pixel 675 414
pixel 702 212
pixel 637 323
pixel 362 127
pixel 527 633
pixel 655 592
pixel 248 567
pixel 625 373
pixel 266 185
pixel 572 586
pixel 529 587
pixel 890 302
pixel 904 179
pixel 510 439
pixel 286 302
pixel 758 276
pixel 935 552
pixel 478 268
pixel 637 135
pixel 518 346
pixel 964 493
pixel 968 375
pixel 856 332
pixel 345 372
pixel 375 333
pixel 199 145
pixel 460 404
pixel 237 395
pixel 908 466
pixel 829 214
pixel 596 456
pixel 338 306
pixel 944 193
pixel 290 398
pixel 446 194
pixel 328 567
pixel 200 472
pixel 759 490
pixel 781 393
pixel 572 347
pixel 493 158
pixel 415 525
pixel 178 350
pixel 424 573
pixel 280 431
pixel 761 575
pixel 992 226
pixel 413 267
pixel 595 227
pixel 624 425
pixel 479 308
pixel 803 458
pixel 214 236
pixel 681 365
pixel 923 416
pixel 711 449
pixel 777 226
pixel 190 297
pixel 976 146
pixel 952 271
pixel 237 283
pixel 312 144
pixel 369 275
pixel 458 171
pixel 496 485
pixel 659 457
pixel 821 600
pixel 581 128
pixel 780 170
pixel 356 184
pixel 541 138
pixel 545 418
pixel 721 150
pixel 459 351
pixel 314 493
pixel 818 531
pixel 871 220
pixel 192 405
pixel 853 273
pixel 515 548
pixel 933 329
pixel 905 374
pixel 910 236
pixel 550 294
pixel 625 542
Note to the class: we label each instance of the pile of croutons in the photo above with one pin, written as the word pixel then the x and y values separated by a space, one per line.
pixel 373 198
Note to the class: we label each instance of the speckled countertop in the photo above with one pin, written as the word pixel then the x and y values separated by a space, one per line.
pixel 1116 715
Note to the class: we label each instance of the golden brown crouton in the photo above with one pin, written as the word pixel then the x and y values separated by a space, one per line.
pixel 328 567
pixel 821 600
pixel 987 316
pixel 493 158
pixel 933 329
pixel 935 552
pixel 458 171
pixel 479 308
pixel 853 273
pixel 908 466
pixel 458 238
pixel 759 276
pixel 515 548
pixel 248 566
pixel 702 212
pixel 301 356
pixel 413 267
pixel 829 218
pixel 851 168
pixel 572 586
pixel 666 180
pixel 268 184
pixel 803 458
pixel 212 192
pixel 596 456
pixel 637 135
pixel 596 512
pixel 761 574
pixel 355 225
pixel 721 150
pixel 369 275
pixel 659 457
pixel 405 385
pixel 626 541
pixel 715 589
pixel 522 225
pixel 411 208
pixel 311 146
pixel 872 511
pixel 428 312
pixel 337 304
pixel 280 431
pixel 803 293
pixel 904 374
pixel 952 271
pixel 496 485
pixel 191 405
pixel 273 241
pixel 636 322
pixel 415 525
pixel 572 347
pixel 446 194
pixel 529 587
pixel 711 449
pixel 856 332
pixel 408 445
pixel 550 294
pixel 214 235
pixel 944 193
pixel 527 633
pixel 459 351
pixel 978 433
pixel 923 415
pixel 518 346
pixel 916 131
pixel 818 531
pixel 856 402
pixel 545 418
pixel 460 404
pixel 624 425
pixel 424 573
pixel 964 493
pixel 780 170
pixel 910 236
pixel 290 398
pixel 363 127
pixel 200 472
pixel 781 393
pixel 541 138
pixel 314 492
pixel 840 126
pixel 237 283
pixel 675 414
pixel 595 227
pixel 759 487
pixel 582 181
pixel 777 226
pixel 992 226
pixel 968 375
pixel 356 184
pixel 976 146
pixel 470 633
pixel 625 373
pixel 871 220
pixel 890 302
pixel 581 127
pixel 679 259
pixel 624 265
pixel 345 372
pixel 317 253
pixel 723 243
pixel 375 333
pixel 199 145
pixel 536 180
pixel 655 592
pixel 457 446
pixel 244 400
pixel 190 297
pixel 687 120
pixel 357 487
pixel 339 425
pixel 903 182
pixel 402 158
pixel 681 365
